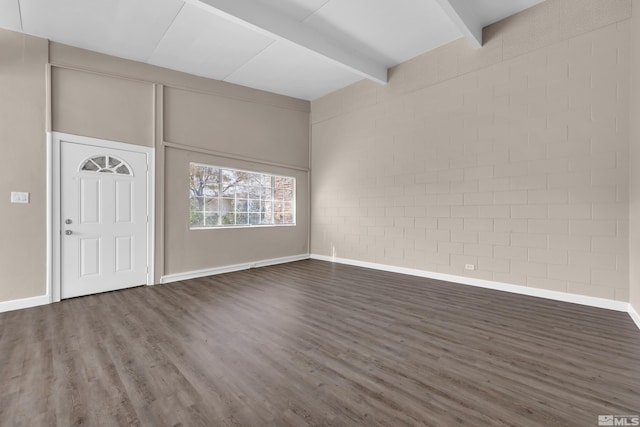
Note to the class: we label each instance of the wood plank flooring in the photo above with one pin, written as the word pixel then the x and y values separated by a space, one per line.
pixel 319 344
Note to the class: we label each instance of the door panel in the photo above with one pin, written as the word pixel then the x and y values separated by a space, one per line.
pixel 123 257
pixel 90 196
pixel 89 257
pixel 103 207
pixel 123 202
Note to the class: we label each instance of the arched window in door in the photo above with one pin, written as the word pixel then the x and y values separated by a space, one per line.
pixel 105 164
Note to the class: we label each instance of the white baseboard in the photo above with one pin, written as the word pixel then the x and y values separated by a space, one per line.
pixel 18 304
pixel 634 315
pixel 169 278
pixel 516 289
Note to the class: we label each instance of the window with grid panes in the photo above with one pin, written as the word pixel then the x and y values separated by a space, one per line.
pixel 224 197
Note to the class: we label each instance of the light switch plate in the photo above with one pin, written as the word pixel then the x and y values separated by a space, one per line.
pixel 19 197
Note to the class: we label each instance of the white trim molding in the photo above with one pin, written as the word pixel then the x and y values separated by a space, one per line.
pixel 18 304
pixel 634 315
pixel 516 289
pixel 176 277
pixel 49 225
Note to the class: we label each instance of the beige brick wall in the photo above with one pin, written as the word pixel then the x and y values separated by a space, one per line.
pixel 513 157
pixel 634 161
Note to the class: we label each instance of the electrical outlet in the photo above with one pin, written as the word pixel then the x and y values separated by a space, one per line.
pixel 469 267
pixel 19 197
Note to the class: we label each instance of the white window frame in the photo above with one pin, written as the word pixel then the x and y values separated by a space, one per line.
pixel 223 226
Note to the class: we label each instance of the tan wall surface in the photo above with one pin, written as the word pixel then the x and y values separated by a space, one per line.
pixel 23 62
pixel 100 106
pixel 105 97
pixel 513 158
pixel 634 160
pixel 188 250
pixel 236 126
pixel 239 128
pixel 110 98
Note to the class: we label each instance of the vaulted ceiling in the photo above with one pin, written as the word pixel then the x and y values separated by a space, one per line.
pixel 300 48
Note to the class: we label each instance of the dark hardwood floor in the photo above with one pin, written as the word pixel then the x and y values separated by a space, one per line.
pixel 313 343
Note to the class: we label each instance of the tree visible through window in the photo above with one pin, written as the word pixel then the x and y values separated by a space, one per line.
pixel 222 197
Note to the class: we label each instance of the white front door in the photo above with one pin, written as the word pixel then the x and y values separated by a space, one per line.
pixel 103 214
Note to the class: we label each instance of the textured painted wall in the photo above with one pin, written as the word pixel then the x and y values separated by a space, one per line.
pixel 105 97
pixel 22 137
pixel 513 157
pixel 114 99
pixel 634 161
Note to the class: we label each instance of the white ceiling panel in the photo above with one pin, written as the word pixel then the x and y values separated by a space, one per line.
pixel 288 69
pixel 10 15
pixel 198 43
pixel 126 28
pixel 387 31
pixel 296 9
pixel 261 18
pixel 490 11
pixel 258 43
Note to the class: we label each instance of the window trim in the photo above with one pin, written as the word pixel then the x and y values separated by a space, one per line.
pixel 245 226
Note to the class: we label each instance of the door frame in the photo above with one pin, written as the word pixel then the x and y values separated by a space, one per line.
pixel 54 228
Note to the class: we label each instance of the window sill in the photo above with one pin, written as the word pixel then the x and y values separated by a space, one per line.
pixel 226 227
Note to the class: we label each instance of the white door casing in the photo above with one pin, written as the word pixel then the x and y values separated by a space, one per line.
pixel 102 213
